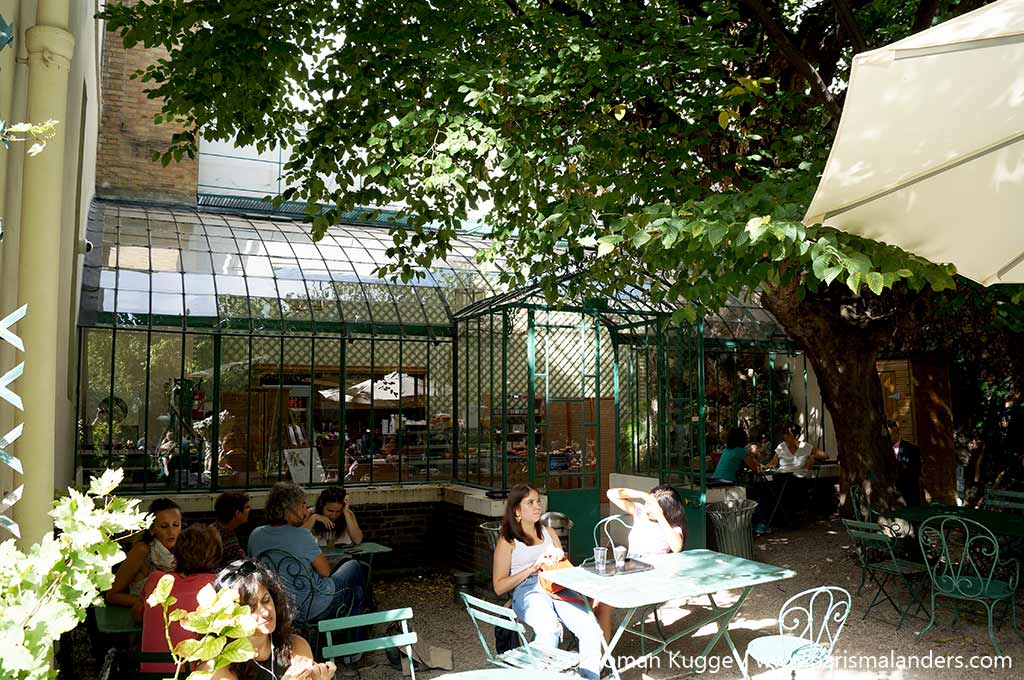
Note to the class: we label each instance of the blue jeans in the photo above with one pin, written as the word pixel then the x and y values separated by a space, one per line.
pixel 349 592
pixel 545 615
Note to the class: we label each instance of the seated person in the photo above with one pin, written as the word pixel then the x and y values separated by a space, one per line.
pixel 659 528
pixel 332 521
pixel 793 454
pixel 734 456
pixel 523 548
pixel 279 654
pixel 197 553
pixel 335 594
pixel 152 552
pixel 232 510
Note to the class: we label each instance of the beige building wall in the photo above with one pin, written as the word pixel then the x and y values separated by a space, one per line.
pixel 76 108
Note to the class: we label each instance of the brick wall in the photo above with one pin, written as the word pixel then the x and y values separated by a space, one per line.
pixel 428 536
pixel 128 136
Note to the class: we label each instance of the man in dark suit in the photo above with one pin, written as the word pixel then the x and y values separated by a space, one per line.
pixel 908 465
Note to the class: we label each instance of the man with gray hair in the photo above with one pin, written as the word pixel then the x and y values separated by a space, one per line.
pixel 339 594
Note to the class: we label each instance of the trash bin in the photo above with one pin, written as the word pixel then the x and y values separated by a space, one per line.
pixel 562 525
pixel 731 530
pixel 491 531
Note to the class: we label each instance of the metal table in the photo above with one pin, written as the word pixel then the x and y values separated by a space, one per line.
pixel 362 551
pixel 689 574
pixel 505 674
pixel 1000 523
pixel 115 620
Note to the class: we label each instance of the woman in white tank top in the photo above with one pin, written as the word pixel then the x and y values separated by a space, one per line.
pixel 522 549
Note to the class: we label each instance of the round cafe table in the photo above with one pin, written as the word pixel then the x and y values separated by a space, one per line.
pixel 506 674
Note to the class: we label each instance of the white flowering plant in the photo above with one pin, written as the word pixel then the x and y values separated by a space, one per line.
pixel 45 592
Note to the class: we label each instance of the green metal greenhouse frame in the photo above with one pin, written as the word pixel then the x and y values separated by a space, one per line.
pixel 226 309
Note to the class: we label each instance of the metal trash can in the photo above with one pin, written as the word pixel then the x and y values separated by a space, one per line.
pixel 562 525
pixel 731 527
pixel 491 531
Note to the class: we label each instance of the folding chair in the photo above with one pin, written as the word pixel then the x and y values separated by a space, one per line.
pixel 406 638
pixel 526 655
pixel 877 555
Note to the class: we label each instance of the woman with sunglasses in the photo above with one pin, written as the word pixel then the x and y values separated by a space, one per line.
pixel 279 654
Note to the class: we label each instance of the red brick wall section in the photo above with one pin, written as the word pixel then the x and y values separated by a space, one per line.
pixel 128 136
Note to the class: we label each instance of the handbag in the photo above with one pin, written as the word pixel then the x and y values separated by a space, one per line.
pixel 554 589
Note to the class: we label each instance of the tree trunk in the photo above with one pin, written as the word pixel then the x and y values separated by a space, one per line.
pixel 842 338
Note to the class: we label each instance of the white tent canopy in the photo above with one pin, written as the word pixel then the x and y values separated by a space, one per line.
pixel 383 391
pixel 929 155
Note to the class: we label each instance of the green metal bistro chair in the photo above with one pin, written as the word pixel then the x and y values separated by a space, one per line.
pixel 406 638
pixel 300 583
pixel 876 550
pixel 998 499
pixel 605 527
pixel 963 563
pixel 526 655
pixel 809 626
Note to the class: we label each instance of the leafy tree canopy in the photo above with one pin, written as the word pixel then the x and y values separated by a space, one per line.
pixel 669 144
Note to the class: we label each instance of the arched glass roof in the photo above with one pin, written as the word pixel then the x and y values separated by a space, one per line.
pixel 236 272
pixel 179 269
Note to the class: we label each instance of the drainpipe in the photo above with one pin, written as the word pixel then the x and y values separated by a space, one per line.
pixel 50 49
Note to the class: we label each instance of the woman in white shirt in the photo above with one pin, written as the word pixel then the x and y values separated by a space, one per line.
pixel 792 453
pixel 523 548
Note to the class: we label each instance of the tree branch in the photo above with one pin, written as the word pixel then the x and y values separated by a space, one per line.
pixel 516 9
pixel 924 15
pixel 781 37
pixel 563 7
pixel 849 24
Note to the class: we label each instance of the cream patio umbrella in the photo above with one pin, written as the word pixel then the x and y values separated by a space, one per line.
pixel 929 155
pixel 386 390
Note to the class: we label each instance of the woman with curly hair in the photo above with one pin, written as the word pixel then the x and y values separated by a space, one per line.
pixel 279 654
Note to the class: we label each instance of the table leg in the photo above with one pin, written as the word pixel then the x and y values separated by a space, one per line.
pixel 724 618
pixel 778 499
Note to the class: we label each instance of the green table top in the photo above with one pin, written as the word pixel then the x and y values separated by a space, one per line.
pixel 356 550
pixel 1002 523
pixel 113 619
pixel 690 573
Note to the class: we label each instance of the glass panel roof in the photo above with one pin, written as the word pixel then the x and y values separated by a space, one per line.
pixel 164 267
pixel 178 268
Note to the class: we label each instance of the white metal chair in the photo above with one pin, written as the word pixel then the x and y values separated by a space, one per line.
pixel 809 626
pixel 606 527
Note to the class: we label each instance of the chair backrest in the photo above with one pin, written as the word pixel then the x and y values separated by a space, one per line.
pixel 817 615
pixel 998 499
pixel 873 540
pixel 297 576
pixel 406 638
pixel 961 555
pixel 609 525
pixel 491 531
pixel 482 611
pixel 862 511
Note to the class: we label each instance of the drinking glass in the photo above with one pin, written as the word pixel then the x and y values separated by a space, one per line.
pixel 620 556
pixel 600 558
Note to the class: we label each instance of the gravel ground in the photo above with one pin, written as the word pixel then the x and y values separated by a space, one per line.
pixel 820 554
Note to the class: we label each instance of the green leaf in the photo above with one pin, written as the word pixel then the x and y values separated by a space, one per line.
pixel 876 282
pixel 619 111
pixel 641 238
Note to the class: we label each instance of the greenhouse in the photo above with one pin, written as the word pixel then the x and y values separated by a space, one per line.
pixel 223 348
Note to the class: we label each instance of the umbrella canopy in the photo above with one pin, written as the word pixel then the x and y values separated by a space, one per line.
pixel 388 389
pixel 929 155
pixel 334 394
